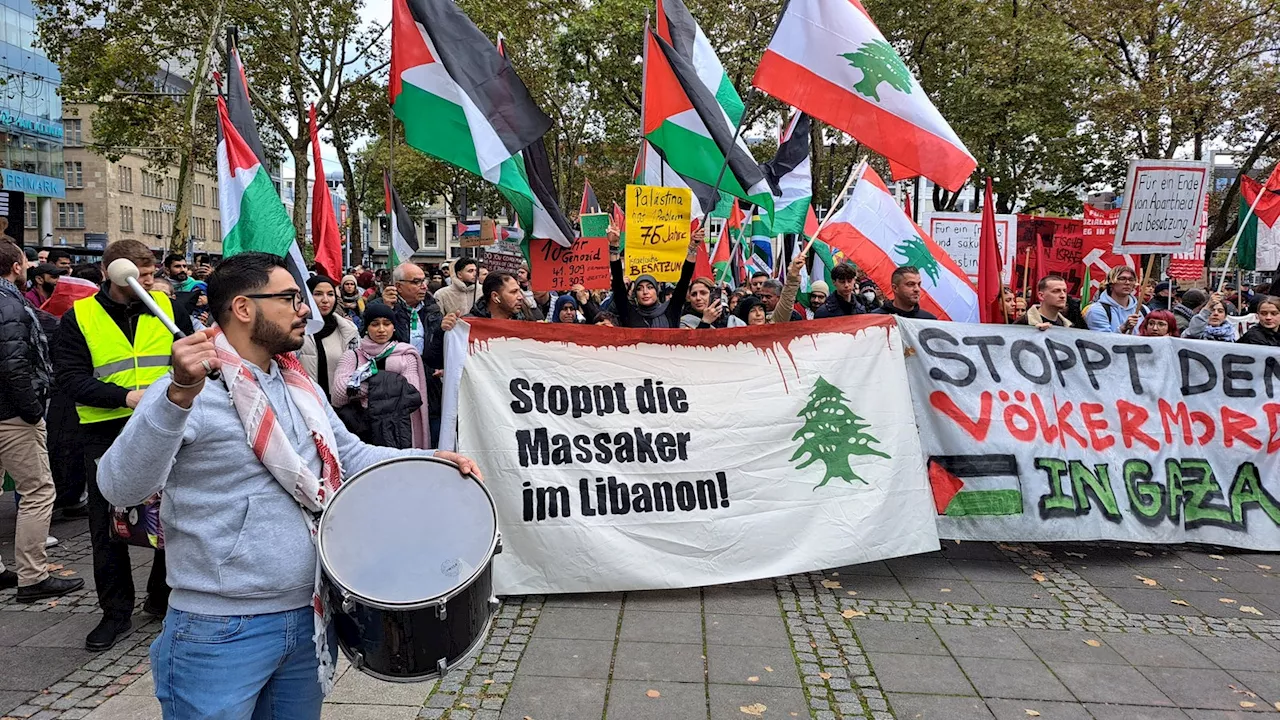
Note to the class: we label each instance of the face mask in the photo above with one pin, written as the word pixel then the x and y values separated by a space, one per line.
pixel 869 296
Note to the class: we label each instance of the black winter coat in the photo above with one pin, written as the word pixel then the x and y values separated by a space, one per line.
pixel 835 306
pixel 391 404
pixel 19 396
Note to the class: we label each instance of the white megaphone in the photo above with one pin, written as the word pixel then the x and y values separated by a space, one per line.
pixel 124 273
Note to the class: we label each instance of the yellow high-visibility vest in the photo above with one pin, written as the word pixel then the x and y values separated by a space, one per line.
pixel 117 362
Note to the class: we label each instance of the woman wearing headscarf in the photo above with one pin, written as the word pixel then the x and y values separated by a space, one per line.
pixel 351 300
pixel 388 380
pixel 750 310
pixel 642 309
pixel 565 310
pixel 320 353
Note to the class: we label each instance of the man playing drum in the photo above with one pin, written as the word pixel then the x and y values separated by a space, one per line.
pixel 246 468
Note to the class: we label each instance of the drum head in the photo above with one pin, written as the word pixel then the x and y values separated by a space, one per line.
pixel 407 531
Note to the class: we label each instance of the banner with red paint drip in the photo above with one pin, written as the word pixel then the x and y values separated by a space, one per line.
pixel 643 459
pixel 1066 435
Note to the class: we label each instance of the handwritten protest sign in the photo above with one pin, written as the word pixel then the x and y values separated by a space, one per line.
pixel 658 220
pixel 957 233
pixel 1162 203
pixel 554 267
pixel 504 256
pixel 1063 435
pixel 649 468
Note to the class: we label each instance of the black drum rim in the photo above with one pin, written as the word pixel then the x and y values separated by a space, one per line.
pixel 438 600
pixel 470 652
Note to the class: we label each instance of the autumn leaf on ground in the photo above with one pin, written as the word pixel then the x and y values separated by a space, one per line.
pixel 1077 555
pixel 1041 553
pixel 1147 580
pixel 831 584
pixel 1093 643
pixel 824 675
pixel 1007 548
pixel 1215 579
pixel 1278 705
pixel 754 678
pixel 66 573
pixel 1265 567
pixel 1217 557
pixel 754 709
pixel 1226 601
pixel 1142 553
pixel 652 693
pixel 1247 704
pixel 1038 577
pixel 850 593
pixel 488 681
pixel 852 614
pixel 1250 609
pixel 768 669
pixel 944 590
pixel 463 705
pixel 1031 713
pixel 53 568
pixel 1183 603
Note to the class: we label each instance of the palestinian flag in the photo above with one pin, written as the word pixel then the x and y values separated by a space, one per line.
pixel 791 177
pixel 729 232
pixel 253 218
pixel 873 233
pixel 589 203
pixel 685 123
pixel 462 102
pixel 404 234
pixel 1259 246
pixel 828 58
pixel 676 25
pixel 652 170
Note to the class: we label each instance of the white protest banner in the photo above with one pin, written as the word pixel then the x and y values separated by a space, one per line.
pixel 642 459
pixel 1162 202
pixel 1069 435
pixel 958 233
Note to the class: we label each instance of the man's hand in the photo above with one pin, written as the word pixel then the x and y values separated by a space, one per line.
pixel 466 465
pixel 134 397
pixel 190 356
pixel 1131 322
pixel 1043 326
pixel 796 266
pixel 390 295
pixel 1215 297
pixel 615 239
pixel 448 322
pixel 581 294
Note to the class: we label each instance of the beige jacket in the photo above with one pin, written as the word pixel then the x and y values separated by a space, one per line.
pixel 787 300
pixel 334 346
pixel 456 298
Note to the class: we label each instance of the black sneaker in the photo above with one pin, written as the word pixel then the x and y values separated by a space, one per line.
pixel 79 510
pixel 8 580
pixel 154 609
pixel 48 588
pixel 109 631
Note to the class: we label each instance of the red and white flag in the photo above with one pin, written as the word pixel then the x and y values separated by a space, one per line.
pixel 829 59
pixel 874 234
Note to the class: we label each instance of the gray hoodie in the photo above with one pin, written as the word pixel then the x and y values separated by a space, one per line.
pixel 236 543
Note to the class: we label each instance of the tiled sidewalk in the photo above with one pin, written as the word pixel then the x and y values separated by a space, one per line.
pixel 979 630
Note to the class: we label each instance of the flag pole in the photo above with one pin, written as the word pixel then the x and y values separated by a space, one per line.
pixel 836 203
pixel 747 105
pixel 1239 231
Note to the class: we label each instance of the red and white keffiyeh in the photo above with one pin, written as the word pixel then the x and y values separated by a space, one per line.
pixel 275 451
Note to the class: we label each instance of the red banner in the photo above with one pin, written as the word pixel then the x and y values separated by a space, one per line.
pixel 1099 241
pixel 1057 244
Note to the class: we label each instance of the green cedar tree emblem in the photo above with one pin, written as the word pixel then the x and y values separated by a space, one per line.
pixel 917 253
pixel 879 63
pixel 831 433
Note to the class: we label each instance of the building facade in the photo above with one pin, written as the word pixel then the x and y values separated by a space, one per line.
pixel 131 198
pixel 30 119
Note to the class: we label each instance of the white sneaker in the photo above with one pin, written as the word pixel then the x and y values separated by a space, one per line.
pixel 51 541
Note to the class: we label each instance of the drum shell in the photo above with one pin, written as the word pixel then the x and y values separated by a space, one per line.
pixel 414 645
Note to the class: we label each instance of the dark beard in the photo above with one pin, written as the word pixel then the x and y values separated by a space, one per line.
pixel 271 338
pixel 48 288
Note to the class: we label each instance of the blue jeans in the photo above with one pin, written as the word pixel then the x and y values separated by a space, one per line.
pixel 238 667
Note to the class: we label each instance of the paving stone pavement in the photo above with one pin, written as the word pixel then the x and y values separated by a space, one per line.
pixel 1099 631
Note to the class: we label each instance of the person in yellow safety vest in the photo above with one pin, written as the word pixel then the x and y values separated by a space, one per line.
pixel 109 349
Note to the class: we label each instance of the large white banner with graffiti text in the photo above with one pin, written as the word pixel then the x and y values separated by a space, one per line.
pixel 1068 435
pixel 644 459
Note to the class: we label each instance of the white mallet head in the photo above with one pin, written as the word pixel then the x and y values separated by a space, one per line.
pixel 121 270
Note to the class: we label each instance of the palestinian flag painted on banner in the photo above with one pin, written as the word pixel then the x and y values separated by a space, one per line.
pixel 969 485
pixel 828 58
pixel 873 233
pixel 404 233
pixel 462 102
pixel 791 177
pixel 253 218
pixel 685 123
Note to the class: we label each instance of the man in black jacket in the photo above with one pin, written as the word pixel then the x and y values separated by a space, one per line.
pixel 844 299
pixel 25 379
pixel 105 396
pixel 417 320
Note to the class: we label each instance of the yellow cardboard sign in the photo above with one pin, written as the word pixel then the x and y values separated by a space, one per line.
pixel 658 220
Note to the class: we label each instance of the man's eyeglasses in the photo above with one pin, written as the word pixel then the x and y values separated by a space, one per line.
pixel 418 281
pixel 293 296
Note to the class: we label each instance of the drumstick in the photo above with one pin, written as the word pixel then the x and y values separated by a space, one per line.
pixel 124 273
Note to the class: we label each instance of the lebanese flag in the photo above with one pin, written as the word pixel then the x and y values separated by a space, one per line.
pixel 874 234
pixel 829 59
pixel 461 102
pixel 325 239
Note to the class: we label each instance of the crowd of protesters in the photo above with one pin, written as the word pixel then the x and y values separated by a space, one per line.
pixel 77 353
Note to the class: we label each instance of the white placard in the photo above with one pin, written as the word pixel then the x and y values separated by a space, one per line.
pixel 958 234
pixel 1162 205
